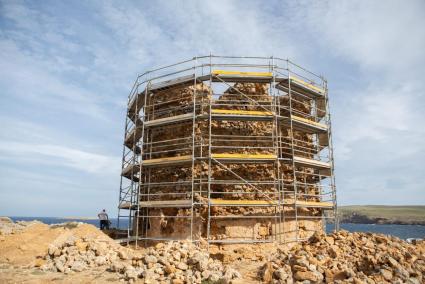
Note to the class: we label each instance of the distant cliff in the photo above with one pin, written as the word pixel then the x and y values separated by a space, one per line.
pixel 380 214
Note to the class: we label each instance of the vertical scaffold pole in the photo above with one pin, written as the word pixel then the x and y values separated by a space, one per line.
pixel 123 152
pixel 134 186
pixel 209 158
pixel 294 175
pixel 275 131
pixel 141 163
pixel 330 147
pixel 193 148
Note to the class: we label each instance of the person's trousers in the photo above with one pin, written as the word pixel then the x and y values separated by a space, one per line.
pixel 103 224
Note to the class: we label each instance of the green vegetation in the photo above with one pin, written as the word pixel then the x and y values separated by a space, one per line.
pixel 382 214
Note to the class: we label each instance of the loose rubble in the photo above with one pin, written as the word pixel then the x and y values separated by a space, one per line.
pixel 71 253
pixel 343 257
pixel 178 262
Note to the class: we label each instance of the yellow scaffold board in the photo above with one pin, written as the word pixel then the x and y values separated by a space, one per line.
pixel 166 203
pixel 304 120
pixel 242 73
pixel 158 203
pixel 168 160
pixel 243 202
pixel 241 112
pixel 308 85
pixel 244 156
pixel 310 203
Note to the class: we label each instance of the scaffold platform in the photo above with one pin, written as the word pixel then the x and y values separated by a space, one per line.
pixel 301 88
pixel 304 124
pixel 241 76
pixel 214 140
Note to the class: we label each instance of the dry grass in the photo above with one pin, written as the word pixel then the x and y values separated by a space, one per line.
pixel 404 214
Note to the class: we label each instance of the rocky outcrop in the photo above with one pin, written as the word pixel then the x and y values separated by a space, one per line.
pixel 8 227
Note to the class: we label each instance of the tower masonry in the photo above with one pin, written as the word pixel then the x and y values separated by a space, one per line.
pixel 228 150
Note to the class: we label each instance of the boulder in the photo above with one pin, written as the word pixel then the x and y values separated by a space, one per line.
pixel 169 269
pixel 306 275
pixel 388 275
pixel 150 259
pixel 78 266
pixel 100 260
pixel 231 273
pixel 182 266
pixel 266 272
pixel 131 274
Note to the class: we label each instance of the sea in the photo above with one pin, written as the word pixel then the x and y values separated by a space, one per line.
pixel 400 231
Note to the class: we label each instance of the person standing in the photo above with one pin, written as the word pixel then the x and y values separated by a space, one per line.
pixel 104 220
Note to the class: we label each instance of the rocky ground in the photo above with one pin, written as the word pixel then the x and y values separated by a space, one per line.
pixel 32 252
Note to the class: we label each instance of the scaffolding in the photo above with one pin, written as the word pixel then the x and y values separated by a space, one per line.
pixel 216 141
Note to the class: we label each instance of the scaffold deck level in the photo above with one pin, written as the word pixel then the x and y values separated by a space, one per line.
pixel 216 140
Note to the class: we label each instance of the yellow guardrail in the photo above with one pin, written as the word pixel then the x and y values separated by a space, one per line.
pixel 242 73
pixel 308 85
pixel 244 156
pixel 241 112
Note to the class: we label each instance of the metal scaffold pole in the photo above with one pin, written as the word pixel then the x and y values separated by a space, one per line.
pixel 209 158
pixel 294 175
pixel 136 234
pixel 269 152
pixel 193 149
pixel 330 146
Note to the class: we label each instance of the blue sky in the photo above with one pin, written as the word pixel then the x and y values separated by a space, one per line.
pixel 67 68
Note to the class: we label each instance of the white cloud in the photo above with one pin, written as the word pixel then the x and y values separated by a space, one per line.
pixel 166 32
pixel 384 36
pixel 375 113
pixel 67 69
pixel 30 143
pixel 60 156
pixel 375 52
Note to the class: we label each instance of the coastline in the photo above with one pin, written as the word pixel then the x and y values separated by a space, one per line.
pixel 402 231
pixel 361 219
pixel 382 214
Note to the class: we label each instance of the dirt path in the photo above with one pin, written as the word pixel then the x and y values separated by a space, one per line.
pixel 11 274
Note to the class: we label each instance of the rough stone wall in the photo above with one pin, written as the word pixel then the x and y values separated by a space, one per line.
pixel 175 139
pixel 264 229
pixel 241 137
pixel 178 227
pixel 244 137
pixel 175 101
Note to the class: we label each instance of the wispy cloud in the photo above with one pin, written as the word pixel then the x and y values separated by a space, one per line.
pixel 67 69
pixel 379 37
pixel 60 156
pixel 377 95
